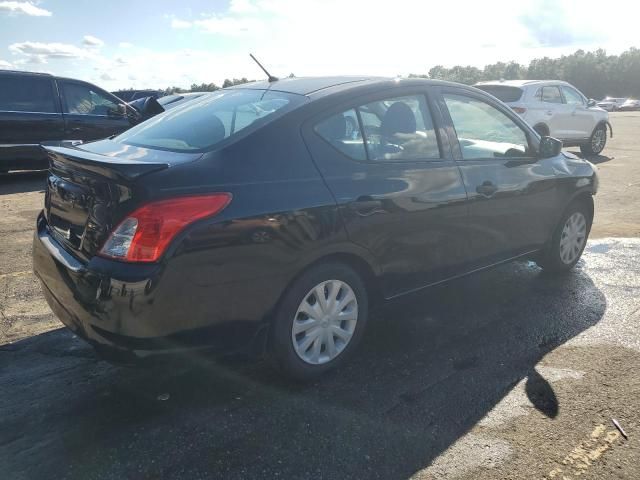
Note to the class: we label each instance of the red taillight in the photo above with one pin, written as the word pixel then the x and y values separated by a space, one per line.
pixel 519 110
pixel 146 232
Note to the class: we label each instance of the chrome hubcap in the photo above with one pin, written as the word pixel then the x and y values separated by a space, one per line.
pixel 574 235
pixel 597 142
pixel 324 322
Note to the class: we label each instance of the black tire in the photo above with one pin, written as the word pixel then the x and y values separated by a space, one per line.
pixel 281 342
pixel 595 146
pixel 550 259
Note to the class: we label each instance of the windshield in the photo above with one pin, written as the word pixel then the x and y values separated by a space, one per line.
pixel 200 125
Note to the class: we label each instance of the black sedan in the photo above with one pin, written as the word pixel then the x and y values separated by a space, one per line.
pixel 272 216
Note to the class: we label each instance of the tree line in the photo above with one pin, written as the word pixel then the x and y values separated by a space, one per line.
pixel 595 73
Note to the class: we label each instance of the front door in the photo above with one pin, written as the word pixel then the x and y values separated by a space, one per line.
pixel 579 116
pixel 400 194
pixel 511 193
pixel 90 114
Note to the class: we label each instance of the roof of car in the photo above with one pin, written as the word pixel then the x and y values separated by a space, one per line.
pixel 21 72
pixel 317 86
pixel 519 83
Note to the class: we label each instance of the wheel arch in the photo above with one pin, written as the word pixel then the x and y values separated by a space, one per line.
pixel 363 266
pixel 606 124
pixel 542 126
pixel 586 198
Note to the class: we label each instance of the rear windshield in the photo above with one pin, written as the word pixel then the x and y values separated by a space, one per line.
pixel 503 92
pixel 200 125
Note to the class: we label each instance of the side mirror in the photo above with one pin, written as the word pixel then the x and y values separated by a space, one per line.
pixel 549 147
pixel 591 103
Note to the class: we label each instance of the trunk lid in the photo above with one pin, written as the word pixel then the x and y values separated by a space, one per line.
pixel 91 187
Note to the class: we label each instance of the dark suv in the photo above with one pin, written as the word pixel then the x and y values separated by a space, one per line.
pixel 39 108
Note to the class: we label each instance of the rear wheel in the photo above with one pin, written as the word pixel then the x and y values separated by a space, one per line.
pixel 319 321
pixel 568 241
pixel 596 143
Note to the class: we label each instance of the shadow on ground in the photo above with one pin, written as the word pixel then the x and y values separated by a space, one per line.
pixel 20 182
pixel 597 159
pixel 430 367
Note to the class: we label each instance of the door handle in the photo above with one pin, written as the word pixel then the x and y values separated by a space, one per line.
pixel 366 205
pixel 487 188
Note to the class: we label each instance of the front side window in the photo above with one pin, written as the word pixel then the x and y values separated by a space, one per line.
pixel 20 93
pixel 200 125
pixel 549 95
pixel 572 97
pixel 83 100
pixel 484 131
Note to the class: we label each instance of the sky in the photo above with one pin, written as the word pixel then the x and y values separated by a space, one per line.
pixel 161 43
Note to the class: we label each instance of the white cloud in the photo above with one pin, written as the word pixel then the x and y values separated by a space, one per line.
pixel 177 23
pixel 107 77
pixel 121 61
pixel 47 50
pixel 125 45
pixel 91 41
pixel 242 6
pixel 5 64
pixel 25 8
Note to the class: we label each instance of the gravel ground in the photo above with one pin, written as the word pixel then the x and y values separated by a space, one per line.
pixel 508 374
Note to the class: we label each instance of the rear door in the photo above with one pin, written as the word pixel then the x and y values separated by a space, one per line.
pixel 90 113
pixel 555 112
pixel 388 163
pixel 29 109
pixel 511 194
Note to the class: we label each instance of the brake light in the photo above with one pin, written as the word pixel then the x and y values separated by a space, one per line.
pixel 147 232
pixel 519 110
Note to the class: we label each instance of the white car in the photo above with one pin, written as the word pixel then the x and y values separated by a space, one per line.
pixel 630 105
pixel 611 104
pixel 556 109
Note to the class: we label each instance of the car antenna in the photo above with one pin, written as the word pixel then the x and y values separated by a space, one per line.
pixel 269 76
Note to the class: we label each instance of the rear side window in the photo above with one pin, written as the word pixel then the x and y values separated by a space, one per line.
pixel 21 93
pixel 342 131
pixel 200 125
pixel 503 92
pixel 393 129
pixel 549 95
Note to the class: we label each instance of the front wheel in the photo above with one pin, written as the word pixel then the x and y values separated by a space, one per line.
pixel 568 241
pixel 319 321
pixel 596 143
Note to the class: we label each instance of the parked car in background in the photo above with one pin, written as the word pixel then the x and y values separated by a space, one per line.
pixel 172 101
pixel 131 95
pixel 256 217
pixel 630 105
pixel 611 104
pixel 38 108
pixel 556 109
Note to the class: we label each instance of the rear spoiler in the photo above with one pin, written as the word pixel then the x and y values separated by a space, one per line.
pixel 117 169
